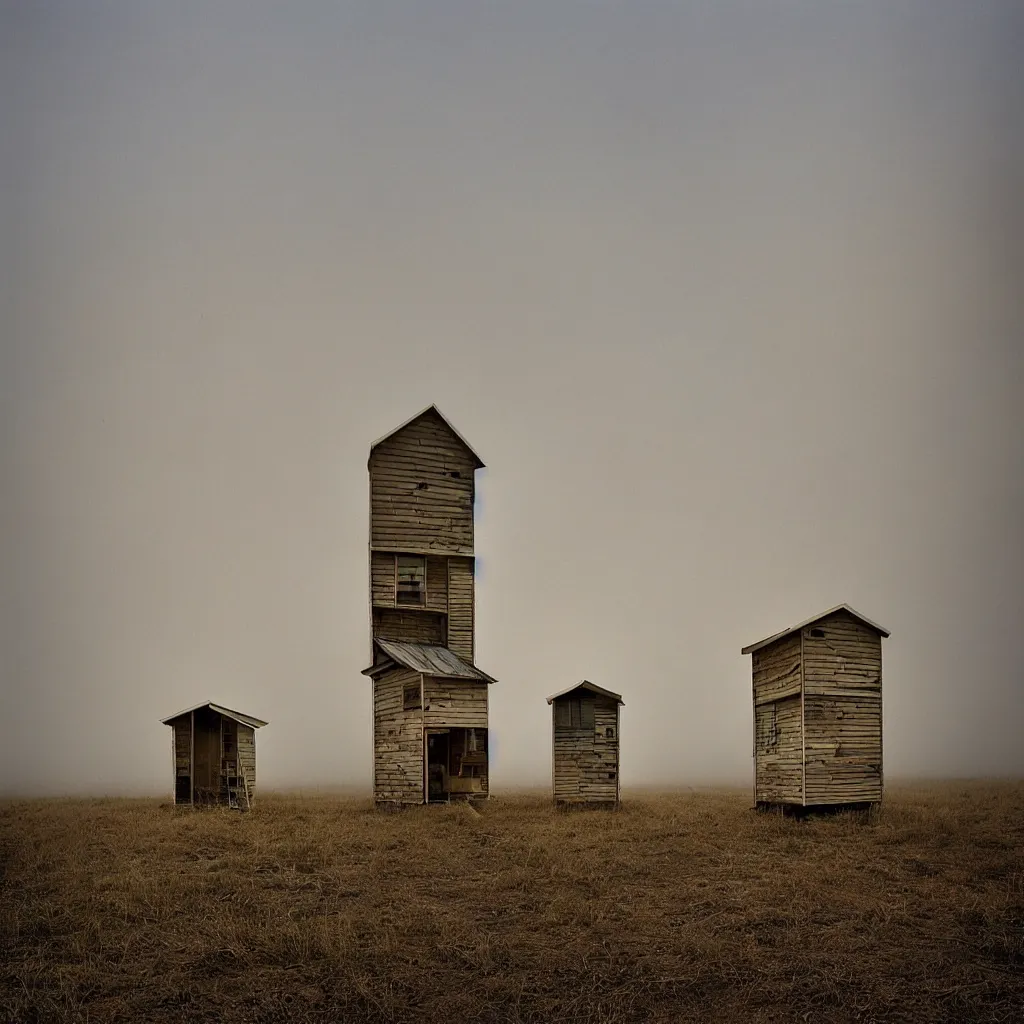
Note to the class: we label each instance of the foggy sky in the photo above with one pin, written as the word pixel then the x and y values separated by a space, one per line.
pixel 726 295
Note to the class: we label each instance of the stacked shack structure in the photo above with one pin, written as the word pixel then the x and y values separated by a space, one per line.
pixel 818 712
pixel 214 756
pixel 585 746
pixel 430 700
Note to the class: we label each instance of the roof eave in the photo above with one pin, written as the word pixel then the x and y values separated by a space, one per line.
pixel 881 630
pixel 238 716
pixel 586 684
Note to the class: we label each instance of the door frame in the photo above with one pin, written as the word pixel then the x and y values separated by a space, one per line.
pixel 428 731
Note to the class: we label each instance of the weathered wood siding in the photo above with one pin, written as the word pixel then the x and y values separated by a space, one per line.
pixel 206 753
pixel 421 490
pixel 382 577
pixel 246 741
pixel 454 703
pixel 437 583
pixel 181 749
pixel 397 740
pixel 586 758
pixel 410 626
pixel 847 658
pixel 182 746
pixel 842 711
pixel 778 753
pixel 460 607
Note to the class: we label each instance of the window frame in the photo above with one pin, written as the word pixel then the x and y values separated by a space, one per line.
pixel 421 594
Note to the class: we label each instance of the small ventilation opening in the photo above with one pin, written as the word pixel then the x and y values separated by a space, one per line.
pixel 818 633
pixel 456 475
pixel 421 486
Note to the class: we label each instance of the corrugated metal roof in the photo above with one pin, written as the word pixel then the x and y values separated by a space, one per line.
pixel 585 684
pixel 447 423
pixel 808 622
pixel 429 659
pixel 256 723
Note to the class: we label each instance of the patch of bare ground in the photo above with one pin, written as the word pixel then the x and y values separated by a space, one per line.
pixel 679 907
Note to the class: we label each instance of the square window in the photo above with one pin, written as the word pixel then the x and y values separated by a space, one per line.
pixel 411 697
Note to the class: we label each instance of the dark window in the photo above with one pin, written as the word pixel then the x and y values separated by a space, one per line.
pixel 818 633
pixel 411 579
pixel 576 713
pixel 411 697
pixel 456 475
pixel 609 732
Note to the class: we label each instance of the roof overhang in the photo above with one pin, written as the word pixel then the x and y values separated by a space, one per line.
pixel 427 659
pixel 881 630
pixel 585 684
pixel 256 723
pixel 477 461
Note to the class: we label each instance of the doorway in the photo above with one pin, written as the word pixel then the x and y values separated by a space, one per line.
pixel 438 766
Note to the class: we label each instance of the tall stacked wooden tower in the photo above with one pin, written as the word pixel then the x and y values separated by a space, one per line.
pixel 430 720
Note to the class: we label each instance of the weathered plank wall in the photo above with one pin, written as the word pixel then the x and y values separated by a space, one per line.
pixel 382 577
pixel 397 740
pixel 437 583
pixel 206 751
pixel 460 607
pixel 410 626
pixel 246 743
pixel 454 703
pixel 421 490
pixel 586 759
pixel 182 744
pixel 842 711
pixel 778 764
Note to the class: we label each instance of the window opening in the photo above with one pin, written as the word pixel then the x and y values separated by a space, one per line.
pixel 411 579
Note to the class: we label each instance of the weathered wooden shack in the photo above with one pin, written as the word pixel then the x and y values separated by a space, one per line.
pixel 585 746
pixel 214 756
pixel 817 690
pixel 430 700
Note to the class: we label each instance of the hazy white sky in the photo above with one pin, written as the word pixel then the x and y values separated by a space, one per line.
pixel 726 295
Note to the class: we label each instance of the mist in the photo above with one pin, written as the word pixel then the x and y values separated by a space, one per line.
pixel 726 295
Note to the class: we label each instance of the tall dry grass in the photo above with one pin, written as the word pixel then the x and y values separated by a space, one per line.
pixel 679 907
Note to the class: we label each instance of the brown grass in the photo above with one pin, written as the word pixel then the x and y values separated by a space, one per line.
pixel 679 907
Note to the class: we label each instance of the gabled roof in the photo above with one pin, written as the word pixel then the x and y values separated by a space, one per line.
pixel 881 630
pixel 226 712
pixel 477 461
pixel 585 684
pixel 429 659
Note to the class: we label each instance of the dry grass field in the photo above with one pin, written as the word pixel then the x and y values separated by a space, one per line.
pixel 680 907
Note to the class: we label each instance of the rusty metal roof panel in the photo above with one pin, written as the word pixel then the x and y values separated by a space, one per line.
pixel 430 659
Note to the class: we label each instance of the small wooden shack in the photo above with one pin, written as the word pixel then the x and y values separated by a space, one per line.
pixel 430 700
pixel 585 746
pixel 817 690
pixel 214 756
